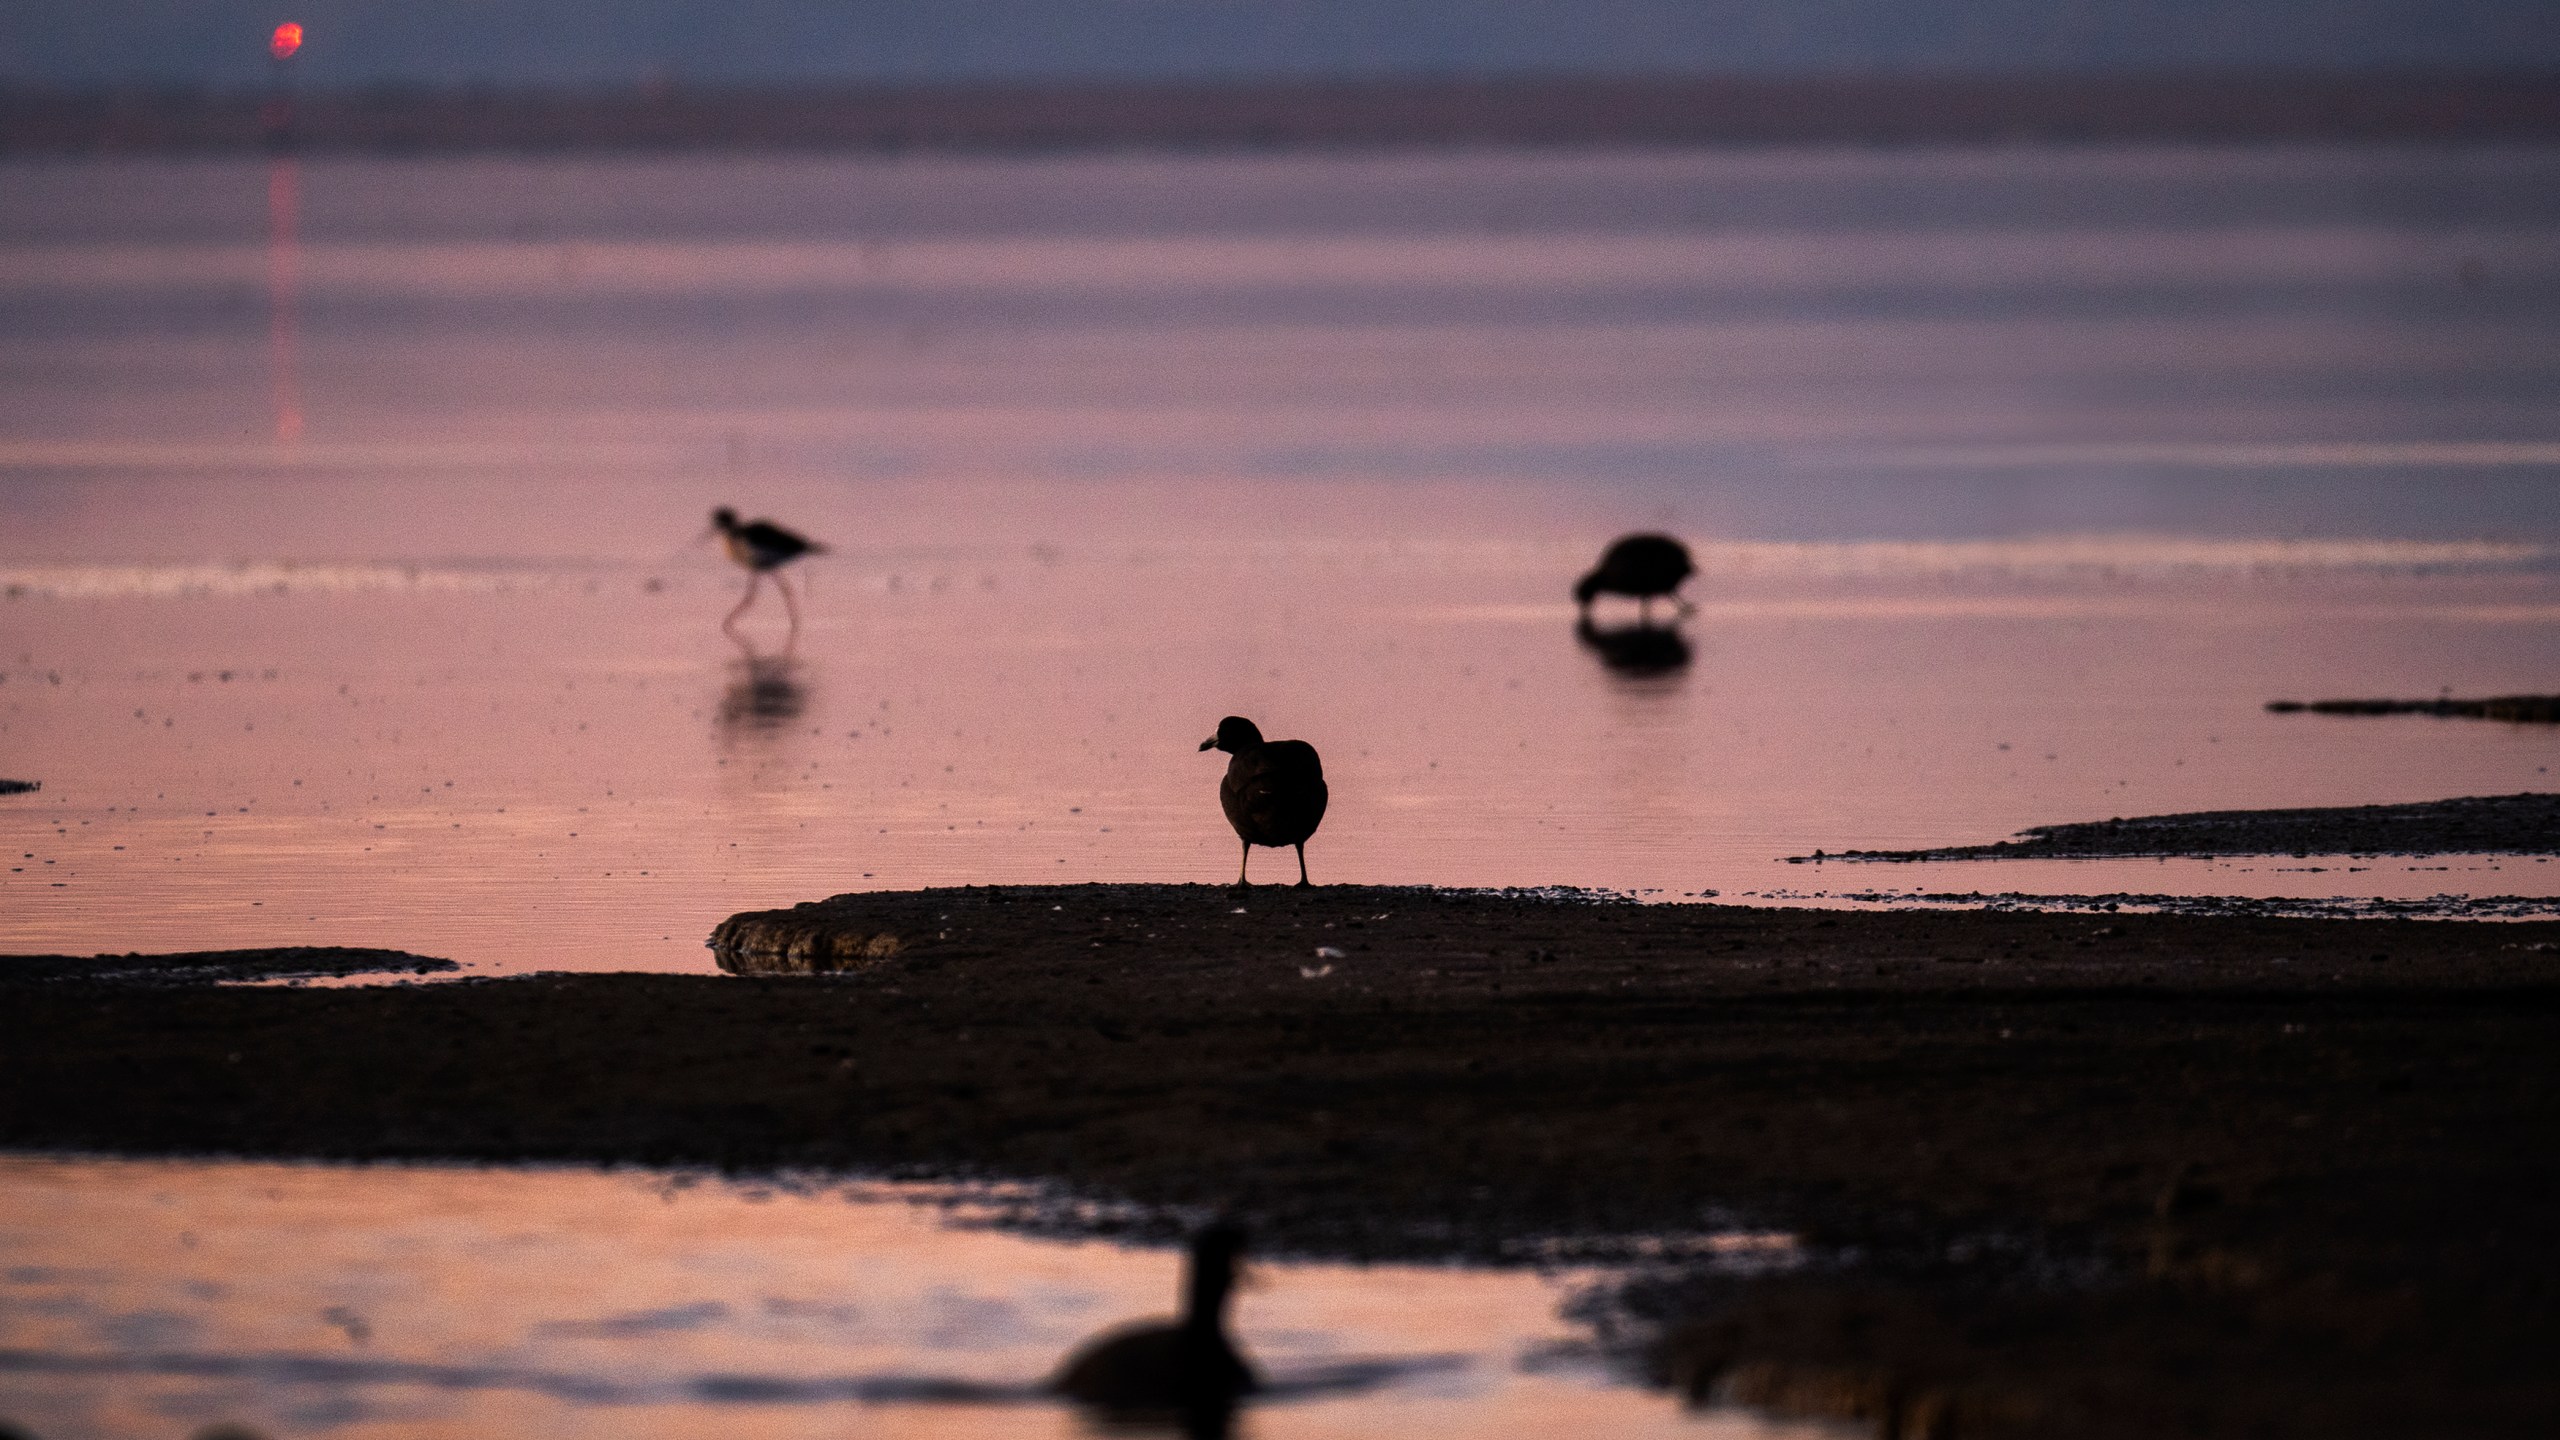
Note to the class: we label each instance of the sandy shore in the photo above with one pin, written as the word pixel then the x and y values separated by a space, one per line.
pixel 2119 1175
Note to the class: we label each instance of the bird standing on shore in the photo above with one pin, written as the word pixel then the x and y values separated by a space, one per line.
pixel 1642 566
pixel 1273 792
pixel 763 548
pixel 1186 1368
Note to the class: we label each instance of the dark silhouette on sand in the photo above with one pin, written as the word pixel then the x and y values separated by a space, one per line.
pixel 1641 566
pixel 1273 792
pixel 1182 1372
pixel 1635 650
pixel 763 548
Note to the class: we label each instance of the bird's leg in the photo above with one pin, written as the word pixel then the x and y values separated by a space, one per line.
pixel 1686 609
pixel 1302 863
pixel 1246 866
pixel 789 606
pixel 755 578
pixel 1644 611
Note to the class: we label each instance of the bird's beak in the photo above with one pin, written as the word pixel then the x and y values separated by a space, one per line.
pixel 1209 744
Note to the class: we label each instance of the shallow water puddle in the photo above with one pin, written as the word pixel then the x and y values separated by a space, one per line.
pixel 150 1298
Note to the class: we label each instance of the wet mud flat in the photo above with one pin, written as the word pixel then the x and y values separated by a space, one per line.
pixel 2051 1174
pixel 214 967
pixel 2514 709
pixel 2526 824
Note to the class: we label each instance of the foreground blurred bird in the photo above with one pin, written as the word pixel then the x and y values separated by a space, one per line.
pixel 763 548
pixel 1273 792
pixel 1185 1369
pixel 1642 566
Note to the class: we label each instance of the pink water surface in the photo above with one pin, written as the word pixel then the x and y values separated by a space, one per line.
pixel 575 768
pixel 346 592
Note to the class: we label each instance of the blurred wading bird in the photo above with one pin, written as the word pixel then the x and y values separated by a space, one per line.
pixel 1273 792
pixel 1642 566
pixel 1185 1369
pixel 763 548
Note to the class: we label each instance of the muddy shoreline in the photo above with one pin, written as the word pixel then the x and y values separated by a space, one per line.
pixel 2527 824
pixel 220 967
pixel 2513 709
pixel 2059 1174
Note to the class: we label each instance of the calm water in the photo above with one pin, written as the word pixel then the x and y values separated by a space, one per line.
pixel 140 1300
pixel 345 509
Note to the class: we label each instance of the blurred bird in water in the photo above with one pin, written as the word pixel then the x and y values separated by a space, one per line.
pixel 1642 566
pixel 763 548
pixel 1273 792
pixel 1187 1369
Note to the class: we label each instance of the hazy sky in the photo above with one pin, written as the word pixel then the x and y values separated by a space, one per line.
pixel 538 41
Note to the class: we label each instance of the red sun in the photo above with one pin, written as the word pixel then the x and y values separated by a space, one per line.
pixel 286 40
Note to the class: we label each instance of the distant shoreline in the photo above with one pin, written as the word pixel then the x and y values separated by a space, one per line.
pixel 2525 824
pixel 1560 111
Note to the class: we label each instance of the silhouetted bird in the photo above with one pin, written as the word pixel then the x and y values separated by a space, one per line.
pixel 1273 793
pixel 1185 1369
pixel 763 548
pixel 1642 566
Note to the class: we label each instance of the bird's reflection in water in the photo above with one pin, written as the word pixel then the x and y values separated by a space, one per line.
pixel 765 691
pixel 1638 651
pixel 1183 1375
